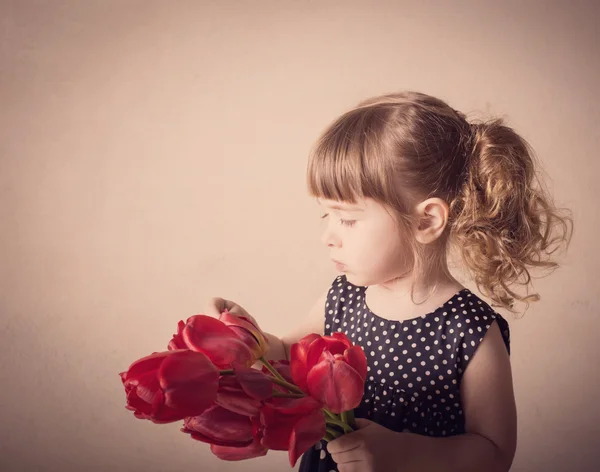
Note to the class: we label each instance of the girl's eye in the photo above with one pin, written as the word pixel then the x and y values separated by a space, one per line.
pixel 343 222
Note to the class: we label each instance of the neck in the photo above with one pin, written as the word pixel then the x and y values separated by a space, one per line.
pixel 392 299
pixel 436 281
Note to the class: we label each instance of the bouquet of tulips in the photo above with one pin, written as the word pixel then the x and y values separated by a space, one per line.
pixel 206 379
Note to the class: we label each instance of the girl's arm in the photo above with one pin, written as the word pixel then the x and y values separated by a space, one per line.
pixel 312 323
pixel 279 348
pixel 490 418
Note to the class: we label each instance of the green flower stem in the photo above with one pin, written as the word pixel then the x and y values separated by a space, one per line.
pixel 287 395
pixel 344 426
pixel 278 378
pixel 328 437
pixel 271 369
pixel 289 386
pixel 330 414
pixel 348 418
pixel 334 433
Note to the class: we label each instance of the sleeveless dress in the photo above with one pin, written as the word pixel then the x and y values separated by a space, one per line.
pixel 415 366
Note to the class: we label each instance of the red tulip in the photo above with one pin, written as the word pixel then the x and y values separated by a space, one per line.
pixel 256 449
pixel 292 424
pixel 169 386
pixel 232 396
pixel 220 343
pixel 299 359
pixel 220 426
pixel 330 369
pixel 244 392
pixel 239 453
pixel 247 329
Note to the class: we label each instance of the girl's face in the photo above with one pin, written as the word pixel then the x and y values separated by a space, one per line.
pixel 366 240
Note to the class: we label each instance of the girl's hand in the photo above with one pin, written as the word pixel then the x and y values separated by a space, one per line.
pixel 215 306
pixel 372 448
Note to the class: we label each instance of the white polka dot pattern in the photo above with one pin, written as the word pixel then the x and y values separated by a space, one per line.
pixel 414 366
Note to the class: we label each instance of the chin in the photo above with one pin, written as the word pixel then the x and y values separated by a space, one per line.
pixel 355 279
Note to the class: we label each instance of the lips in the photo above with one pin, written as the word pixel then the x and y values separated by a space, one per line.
pixel 339 265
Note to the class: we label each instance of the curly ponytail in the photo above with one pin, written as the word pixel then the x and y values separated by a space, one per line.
pixel 504 219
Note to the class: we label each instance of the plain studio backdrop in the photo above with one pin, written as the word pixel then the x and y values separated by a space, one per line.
pixel 153 154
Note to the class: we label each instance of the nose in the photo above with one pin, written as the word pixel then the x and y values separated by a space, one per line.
pixel 330 238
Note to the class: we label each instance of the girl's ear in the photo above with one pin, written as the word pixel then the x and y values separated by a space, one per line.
pixel 431 218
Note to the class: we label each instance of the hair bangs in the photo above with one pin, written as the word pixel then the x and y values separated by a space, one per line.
pixel 342 166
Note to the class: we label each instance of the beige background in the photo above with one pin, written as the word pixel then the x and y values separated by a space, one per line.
pixel 152 155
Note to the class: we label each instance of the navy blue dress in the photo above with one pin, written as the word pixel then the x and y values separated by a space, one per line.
pixel 415 366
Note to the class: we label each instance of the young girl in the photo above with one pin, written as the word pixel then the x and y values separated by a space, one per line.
pixel 405 181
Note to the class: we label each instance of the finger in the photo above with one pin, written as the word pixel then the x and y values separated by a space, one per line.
pixel 344 443
pixel 348 457
pixel 215 306
pixel 362 423
pixel 356 466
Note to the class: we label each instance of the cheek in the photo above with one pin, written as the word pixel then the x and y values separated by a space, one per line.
pixel 373 239
pixel 386 240
pixel 385 248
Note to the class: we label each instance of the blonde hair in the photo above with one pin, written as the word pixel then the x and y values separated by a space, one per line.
pixel 402 148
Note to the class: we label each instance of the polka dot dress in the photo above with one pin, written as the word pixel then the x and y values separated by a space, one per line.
pixel 414 367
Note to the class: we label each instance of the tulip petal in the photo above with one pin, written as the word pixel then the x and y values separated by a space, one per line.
pixel 217 442
pixel 295 406
pixel 283 368
pixel 308 339
pixel 238 402
pixel 276 430
pixel 208 335
pixel 239 453
pixel 142 404
pixel 177 342
pixel 247 329
pixel 298 367
pixel 304 355
pixel 242 322
pixel 145 364
pixel 232 396
pixel 337 384
pixel 256 384
pixel 189 380
pixel 163 413
pixel 305 433
pixel 249 340
pixel 279 416
pixel 219 426
pixel 341 337
pixel 147 387
pixel 337 343
pixel 185 366
pixel 355 356
pixel 314 351
pixel 247 318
